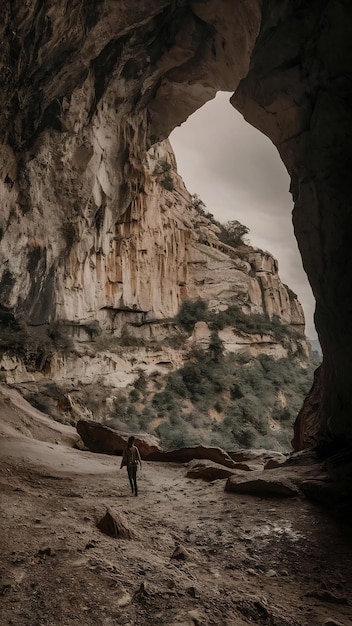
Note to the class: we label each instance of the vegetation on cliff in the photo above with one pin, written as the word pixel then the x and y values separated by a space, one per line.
pixel 231 401
pixel 219 398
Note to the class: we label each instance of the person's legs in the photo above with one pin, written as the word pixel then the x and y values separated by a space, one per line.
pixel 134 479
pixel 131 477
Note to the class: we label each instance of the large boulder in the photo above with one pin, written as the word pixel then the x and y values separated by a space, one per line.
pixel 262 485
pixel 99 438
pixel 207 470
pixel 257 457
pixel 184 455
pixel 284 481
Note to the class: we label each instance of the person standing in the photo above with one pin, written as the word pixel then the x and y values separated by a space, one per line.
pixel 131 458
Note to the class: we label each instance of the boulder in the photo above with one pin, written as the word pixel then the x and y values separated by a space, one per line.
pixel 114 525
pixel 180 554
pixel 334 494
pixel 184 455
pixel 207 470
pixel 99 438
pixel 256 457
pixel 302 458
pixel 262 485
pixel 273 464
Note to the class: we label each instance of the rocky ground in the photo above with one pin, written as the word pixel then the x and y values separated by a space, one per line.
pixel 243 559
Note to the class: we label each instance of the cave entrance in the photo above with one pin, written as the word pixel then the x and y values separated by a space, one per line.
pixel 238 173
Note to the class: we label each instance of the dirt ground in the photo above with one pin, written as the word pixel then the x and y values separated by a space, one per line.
pixel 248 560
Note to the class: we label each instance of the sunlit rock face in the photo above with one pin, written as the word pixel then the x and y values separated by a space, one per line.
pixel 88 88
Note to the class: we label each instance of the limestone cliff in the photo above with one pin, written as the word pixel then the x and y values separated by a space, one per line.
pixel 132 273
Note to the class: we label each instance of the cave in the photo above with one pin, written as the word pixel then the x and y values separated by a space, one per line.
pixel 110 82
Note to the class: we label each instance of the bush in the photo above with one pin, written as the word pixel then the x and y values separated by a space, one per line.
pixel 163 169
pixel 191 312
pixel 134 395
pixel 167 182
pixel 232 233
pixel 254 324
pixel 176 385
pixel 141 382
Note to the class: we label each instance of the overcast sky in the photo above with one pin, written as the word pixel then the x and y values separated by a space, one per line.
pixel 238 174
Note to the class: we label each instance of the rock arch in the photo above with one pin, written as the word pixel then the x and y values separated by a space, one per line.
pixel 88 86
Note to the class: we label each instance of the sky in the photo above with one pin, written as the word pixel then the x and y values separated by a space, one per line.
pixel 238 174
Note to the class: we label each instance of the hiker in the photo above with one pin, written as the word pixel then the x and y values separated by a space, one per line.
pixel 131 458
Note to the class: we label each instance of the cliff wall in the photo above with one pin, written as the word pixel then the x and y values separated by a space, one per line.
pixel 129 274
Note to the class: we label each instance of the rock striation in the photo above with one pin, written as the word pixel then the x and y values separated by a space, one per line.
pixel 87 90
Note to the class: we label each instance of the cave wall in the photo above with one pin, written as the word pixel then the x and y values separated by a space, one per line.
pixel 88 86
pixel 299 93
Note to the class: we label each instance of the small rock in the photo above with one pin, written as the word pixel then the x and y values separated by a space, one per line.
pixel 115 526
pixel 193 592
pixel 196 617
pixel 332 622
pixel 251 572
pixel 5 588
pixel 144 589
pixel 271 573
pixel 124 599
pixel 263 485
pixel 46 551
pixel 273 464
pixel 180 553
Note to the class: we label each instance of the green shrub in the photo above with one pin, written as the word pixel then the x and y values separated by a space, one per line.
pixel 191 312
pixel 134 395
pixel 141 382
pixel 167 182
pixel 232 233
pixel 176 385
pixel 254 324
pixel 216 347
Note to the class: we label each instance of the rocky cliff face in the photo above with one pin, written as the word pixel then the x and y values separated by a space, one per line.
pixel 87 89
pixel 132 273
